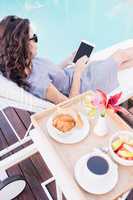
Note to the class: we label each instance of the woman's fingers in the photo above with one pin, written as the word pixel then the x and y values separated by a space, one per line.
pixel 83 59
pixel 81 64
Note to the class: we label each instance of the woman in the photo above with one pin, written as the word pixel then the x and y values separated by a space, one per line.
pixel 18 62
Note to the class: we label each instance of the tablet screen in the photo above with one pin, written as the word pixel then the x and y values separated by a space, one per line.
pixel 84 49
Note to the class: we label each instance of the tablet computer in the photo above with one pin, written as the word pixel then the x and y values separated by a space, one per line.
pixel 85 48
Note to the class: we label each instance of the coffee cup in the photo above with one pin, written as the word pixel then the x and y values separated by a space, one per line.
pixel 99 167
pixel 96 173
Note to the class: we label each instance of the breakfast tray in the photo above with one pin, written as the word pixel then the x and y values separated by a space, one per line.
pixel 61 158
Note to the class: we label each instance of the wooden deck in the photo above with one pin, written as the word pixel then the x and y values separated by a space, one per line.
pixel 33 169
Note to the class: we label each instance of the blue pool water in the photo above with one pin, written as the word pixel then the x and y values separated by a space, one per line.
pixel 61 24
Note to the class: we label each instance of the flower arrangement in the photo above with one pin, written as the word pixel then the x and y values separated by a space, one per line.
pixel 100 103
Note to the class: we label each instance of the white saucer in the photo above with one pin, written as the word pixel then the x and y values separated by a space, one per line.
pixel 85 181
pixel 73 136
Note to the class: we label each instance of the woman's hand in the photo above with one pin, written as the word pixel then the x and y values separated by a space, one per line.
pixel 81 64
pixel 79 68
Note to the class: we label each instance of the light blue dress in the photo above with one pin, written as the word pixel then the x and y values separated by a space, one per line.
pixel 97 75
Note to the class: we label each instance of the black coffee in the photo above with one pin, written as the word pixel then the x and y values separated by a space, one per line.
pixel 97 165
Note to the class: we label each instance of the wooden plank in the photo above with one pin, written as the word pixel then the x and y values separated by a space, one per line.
pixel 24 116
pixel 15 121
pixel 6 129
pixel 3 143
pixel 33 179
pixel 52 189
pixel 127 117
pixel 40 166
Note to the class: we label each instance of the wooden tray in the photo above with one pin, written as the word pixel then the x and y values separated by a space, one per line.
pixel 62 158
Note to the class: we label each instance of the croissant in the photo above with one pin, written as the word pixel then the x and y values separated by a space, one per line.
pixel 64 122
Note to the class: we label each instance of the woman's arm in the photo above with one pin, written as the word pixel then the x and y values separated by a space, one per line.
pixel 79 68
pixel 55 95
pixel 124 58
pixel 126 65
pixel 75 88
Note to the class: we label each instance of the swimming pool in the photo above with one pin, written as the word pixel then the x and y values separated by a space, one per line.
pixel 61 24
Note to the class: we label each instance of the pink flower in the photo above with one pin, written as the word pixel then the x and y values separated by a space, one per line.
pixel 111 103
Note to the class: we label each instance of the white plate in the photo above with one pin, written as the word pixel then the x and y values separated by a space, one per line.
pixel 85 181
pixel 73 136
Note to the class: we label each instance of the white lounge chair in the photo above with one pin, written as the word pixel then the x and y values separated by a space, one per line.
pixel 12 95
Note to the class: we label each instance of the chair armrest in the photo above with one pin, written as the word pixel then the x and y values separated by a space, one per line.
pixel 37 106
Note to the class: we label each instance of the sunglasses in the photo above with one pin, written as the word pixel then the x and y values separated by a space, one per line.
pixel 34 38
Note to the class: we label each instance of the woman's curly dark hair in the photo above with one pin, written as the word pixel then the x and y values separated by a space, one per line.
pixel 15 56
